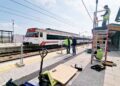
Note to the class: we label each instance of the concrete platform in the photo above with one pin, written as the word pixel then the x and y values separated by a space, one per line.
pixel 88 77
pixel 5 45
pixel 108 77
pixel 9 47
pixel 10 70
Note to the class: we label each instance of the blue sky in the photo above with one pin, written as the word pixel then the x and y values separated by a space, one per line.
pixel 70 14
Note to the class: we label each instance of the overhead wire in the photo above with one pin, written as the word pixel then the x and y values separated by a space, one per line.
pixel 18 12
pixel 51 13
pixel 18 15
pixel 40 8
pixel 37 11
pixel 29 18
pixel 87 10
pixel 25 17
pixel 14 10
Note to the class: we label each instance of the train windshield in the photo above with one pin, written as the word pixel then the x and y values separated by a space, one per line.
pixel 32 34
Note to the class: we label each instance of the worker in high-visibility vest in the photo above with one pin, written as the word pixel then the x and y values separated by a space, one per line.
pixel 106 16
pixel 67 43
pixel 99 54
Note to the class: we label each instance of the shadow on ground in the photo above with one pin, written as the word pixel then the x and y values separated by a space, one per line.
pixel 89 77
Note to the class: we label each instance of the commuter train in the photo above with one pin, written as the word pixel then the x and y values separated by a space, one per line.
pixel 50 37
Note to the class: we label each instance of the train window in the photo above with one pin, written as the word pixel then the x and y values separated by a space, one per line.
pixel 55 37
pixel 41 34
pixel 31 34
pixel 35 34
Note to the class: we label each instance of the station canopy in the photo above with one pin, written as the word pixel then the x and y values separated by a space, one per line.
pixel 118 16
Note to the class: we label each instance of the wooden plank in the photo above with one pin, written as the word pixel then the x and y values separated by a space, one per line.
pixel 63 73
pixel 113 27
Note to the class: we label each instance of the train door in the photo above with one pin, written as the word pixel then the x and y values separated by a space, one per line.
pixel 42 37
pixel 45 36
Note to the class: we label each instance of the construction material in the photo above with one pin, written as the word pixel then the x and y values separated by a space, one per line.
pixel 89 51
pixel 63 73
pixel 109 63
pixel 114 27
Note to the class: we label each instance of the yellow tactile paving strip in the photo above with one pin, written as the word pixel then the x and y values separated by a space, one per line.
pixel 31 60
pixel 27 61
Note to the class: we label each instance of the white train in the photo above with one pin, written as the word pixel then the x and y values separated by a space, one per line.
pixel 49 37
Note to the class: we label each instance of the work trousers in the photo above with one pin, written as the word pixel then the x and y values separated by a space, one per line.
pixel 74 50
pixel 68 49
pixel 104 23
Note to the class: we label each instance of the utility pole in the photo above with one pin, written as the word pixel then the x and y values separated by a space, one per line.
pixel 96 11
pixel 96 7
pixel 95 15
pixel 13 30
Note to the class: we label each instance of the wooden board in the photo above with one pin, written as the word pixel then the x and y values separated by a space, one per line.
pixel 108 63
pixel 113 27
pixel 63 73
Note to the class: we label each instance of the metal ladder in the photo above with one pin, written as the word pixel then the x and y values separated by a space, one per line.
pixel 100 38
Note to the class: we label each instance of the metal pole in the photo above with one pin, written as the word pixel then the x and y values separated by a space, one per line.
pixel 96 6
pixel 13 30
pixel 21 60
pixel 95 15
pixel 40 74
pixel 96 24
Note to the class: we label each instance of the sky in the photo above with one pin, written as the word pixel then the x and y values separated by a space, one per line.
pixel 65 15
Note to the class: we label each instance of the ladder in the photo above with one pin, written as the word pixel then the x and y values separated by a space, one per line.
pixel 100 38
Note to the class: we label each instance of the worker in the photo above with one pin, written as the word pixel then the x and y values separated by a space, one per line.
pixel 99 54
pixel 74 42
pixel 67 43
pixel 106 16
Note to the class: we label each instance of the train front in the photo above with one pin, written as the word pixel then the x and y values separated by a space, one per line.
pixel 33 37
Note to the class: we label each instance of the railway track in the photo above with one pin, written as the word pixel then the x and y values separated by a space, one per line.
pixel 4 57
pixel 16 55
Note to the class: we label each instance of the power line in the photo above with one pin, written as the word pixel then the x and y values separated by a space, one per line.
pixel 37 11
pixel 87 11
pixel 18 11
pixel 21 15
pixel 28 18
pixel 48 12
pixel 39 7
pixel 13 10
pixel 32 9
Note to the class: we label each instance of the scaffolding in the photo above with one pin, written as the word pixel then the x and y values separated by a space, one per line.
pixel 100 37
